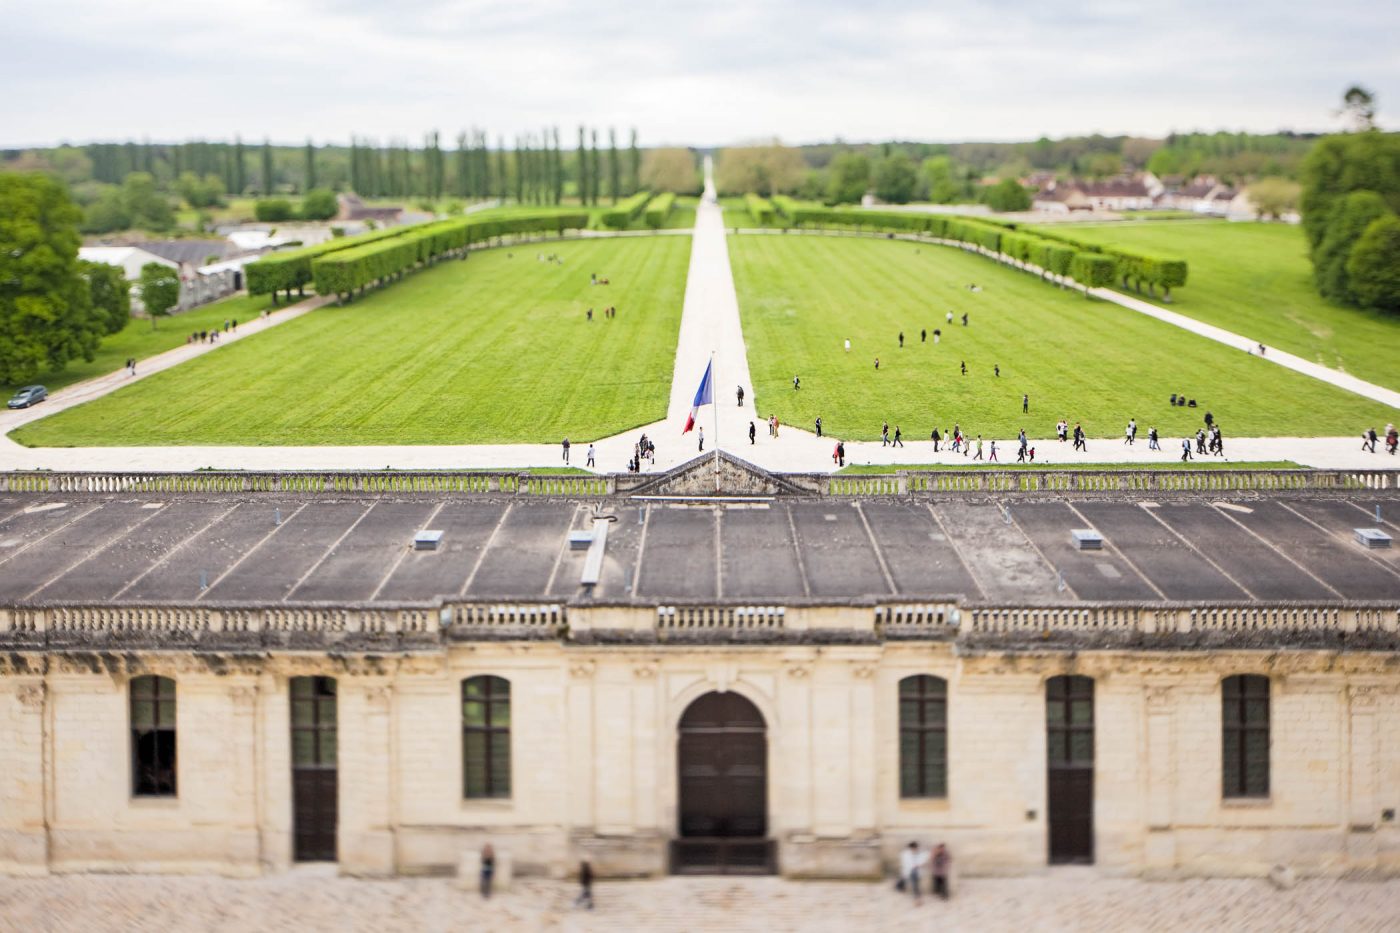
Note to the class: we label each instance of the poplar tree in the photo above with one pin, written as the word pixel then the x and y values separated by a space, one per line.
pixel 266 167
pixel 614 167
pixel 309 181
pixel 502 169
pixel 634 173
pixel 240 178
pixel 582 169
pixel 595 178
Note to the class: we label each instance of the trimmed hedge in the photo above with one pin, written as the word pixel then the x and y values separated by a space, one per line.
pixel 292 269
pixel 625 211
pixel 659 209
pixel 760 209
pixel 1093 270
pixel 342 272
pixel 785 206
pixel 1134 269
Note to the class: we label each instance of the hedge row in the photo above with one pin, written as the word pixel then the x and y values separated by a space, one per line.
pixel 292 269
pixel 625 211
pixel 659 209
pixel 342 272
pixel 1052 252
pixel 785 206
pixel 760 209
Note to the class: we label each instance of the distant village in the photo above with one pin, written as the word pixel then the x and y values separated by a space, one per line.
pixel 1144 191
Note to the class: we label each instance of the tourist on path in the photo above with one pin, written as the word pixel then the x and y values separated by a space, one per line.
pixel 840 453
pixel 819 425
pixel 488 868
pixel 885 434
pixel 1062 430
pixel 910 861
pixel 753 432
pixel 936 437
pixel 740 394
pixel 993 457
pixel 897 436
pixel 1152 439
pixel 585 885
pixel 590 455
pixel 566 450
pixel 979 448
pixel 1130 432
pixel 700 436
pixel 1185 449
pixel 1369 438
pixel 1079 438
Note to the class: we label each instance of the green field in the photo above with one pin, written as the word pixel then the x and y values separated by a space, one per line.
pixel 495 349
pixel 139 340
pixel 1088 361
pixel 1255 279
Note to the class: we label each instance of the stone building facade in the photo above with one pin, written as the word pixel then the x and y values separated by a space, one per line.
pixel 639 723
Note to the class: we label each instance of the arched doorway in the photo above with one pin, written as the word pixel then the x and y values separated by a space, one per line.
pixel 722 765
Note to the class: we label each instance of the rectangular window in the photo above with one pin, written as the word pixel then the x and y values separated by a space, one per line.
pixel 923 737
pixel 152 702
pixel 486 737
pixel 1245 736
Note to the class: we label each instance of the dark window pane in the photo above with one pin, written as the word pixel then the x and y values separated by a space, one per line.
pixel 500 713
pixel 1256 711
pixel 1081 746
pixel 325 709
pixel 143 714
pixel 474 713
pixel 1081 712
pixel 303 713
pixel 302 686
pixel 908 712
pixel 1055 712
pixel 500 764
pixel 167 714
pixel 326 747
pixel 303 747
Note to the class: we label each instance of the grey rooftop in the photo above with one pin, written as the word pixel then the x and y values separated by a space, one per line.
pixel 201 549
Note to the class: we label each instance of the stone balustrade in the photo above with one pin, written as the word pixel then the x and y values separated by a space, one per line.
pixel 388 626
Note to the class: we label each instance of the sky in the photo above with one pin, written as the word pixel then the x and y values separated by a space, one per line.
pixel 705 73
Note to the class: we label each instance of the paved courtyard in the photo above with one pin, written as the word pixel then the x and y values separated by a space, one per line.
pixel 1063 899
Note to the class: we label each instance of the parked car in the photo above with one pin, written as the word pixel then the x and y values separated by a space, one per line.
pixel 29 395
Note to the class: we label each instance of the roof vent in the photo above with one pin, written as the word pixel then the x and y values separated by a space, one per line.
pixel 427 540
pixel 580 540
pixel 1372 538
pixel 1087 539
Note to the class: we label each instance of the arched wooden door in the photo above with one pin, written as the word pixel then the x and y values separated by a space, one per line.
pixel 722 765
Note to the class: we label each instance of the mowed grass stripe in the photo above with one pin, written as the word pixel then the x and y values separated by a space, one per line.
pixel 1256 279
pixel 1087 361
pixel 495 349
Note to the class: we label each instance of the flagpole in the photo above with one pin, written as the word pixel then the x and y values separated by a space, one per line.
pixel 715 405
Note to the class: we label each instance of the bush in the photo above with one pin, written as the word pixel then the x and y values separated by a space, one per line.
pixel 625 211
pixel 273 210
pixel 1093 270
pixel 1350 217
pixel 292 269
pixel 760 209
pixel 659 209
pixel 1374 265
pixel 1007 195
pixel 319 204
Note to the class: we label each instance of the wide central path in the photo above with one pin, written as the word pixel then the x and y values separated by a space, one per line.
pixel 710 324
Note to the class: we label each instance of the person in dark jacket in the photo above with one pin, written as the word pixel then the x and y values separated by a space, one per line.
pixel 585 885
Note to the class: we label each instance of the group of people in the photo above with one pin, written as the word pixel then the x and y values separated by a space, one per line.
pixel 912 861
pixel 551 258
pixel 487 877
pixel 608 312
pixel 644 449
pixel 1392 440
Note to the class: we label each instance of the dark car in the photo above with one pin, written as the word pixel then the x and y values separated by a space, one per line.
pixel 29 395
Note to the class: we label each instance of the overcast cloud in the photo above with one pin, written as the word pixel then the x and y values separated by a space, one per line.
pixel 699 73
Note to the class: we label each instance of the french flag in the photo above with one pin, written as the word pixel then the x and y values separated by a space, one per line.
pixel 705 395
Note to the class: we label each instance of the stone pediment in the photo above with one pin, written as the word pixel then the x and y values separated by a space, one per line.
pixel 736 478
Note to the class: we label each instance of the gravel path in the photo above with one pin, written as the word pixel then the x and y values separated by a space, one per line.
pixel 308 899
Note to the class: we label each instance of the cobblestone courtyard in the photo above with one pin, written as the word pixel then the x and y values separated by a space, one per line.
pixel 313 899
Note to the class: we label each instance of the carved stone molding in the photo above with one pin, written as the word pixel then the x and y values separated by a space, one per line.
pixel 799 671
pixel 582 669
pixel 1364 697
pixel 863 671
pixel 377 697
pixel 1159 699
pixel 31 696
pixel 244 697
pixel 644 671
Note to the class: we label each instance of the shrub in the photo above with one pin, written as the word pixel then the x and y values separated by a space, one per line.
pixel 273 210
pixel 292 269
pixel 760 209
pixel 1374 265
pixel 319 204
pixel 659 209
pixel 1093 270
pixel 620 217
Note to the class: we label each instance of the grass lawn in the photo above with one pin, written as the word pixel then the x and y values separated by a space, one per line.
pixel 495 349
pixel 139 340
pixel 1255 279
pixel 1088 361
pixel 876 469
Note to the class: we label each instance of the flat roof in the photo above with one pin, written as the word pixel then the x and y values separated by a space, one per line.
pixel 144 548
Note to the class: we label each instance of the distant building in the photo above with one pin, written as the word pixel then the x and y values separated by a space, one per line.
pixel 1060 199
pixel 200 282
pixel 1203 195
pixel 353 208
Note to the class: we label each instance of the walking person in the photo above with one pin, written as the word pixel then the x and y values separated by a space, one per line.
pixel 585 885
pixel 1185 449
pixel 885 434
pixel 700 436
pixel 993 457
pixel 1152 439
pixel 897 436
pixel 1369 438
pixel 488 869
pixel 964 367
pixel 753 432
pixel 901 340
pixel 819 425
pixel 910 861
pixel 841 453
pixel 566 450
pixel 979 448
pixel 1128 433
pixel 923 335
pixel 877 364
pixel 1025 404
pixel 740 394
pixel 1079 443
pixel 942 864
pixel 935 437
pixel 996 370
pixel 590 456
pixel 796 383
